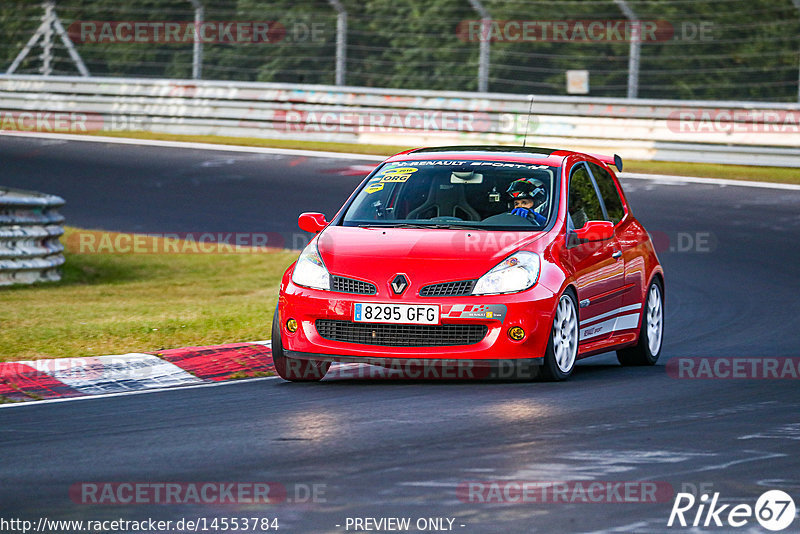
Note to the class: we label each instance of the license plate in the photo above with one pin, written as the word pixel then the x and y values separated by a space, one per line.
pixel 364 312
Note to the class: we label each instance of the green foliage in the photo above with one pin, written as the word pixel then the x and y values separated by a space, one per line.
pixel 719 49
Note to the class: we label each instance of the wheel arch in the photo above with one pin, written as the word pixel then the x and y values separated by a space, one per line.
pixel 572 289
pixel 657 274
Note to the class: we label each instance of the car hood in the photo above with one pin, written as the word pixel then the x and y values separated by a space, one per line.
pixel 424 255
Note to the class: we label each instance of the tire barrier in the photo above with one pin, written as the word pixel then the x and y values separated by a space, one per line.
pixel 30 227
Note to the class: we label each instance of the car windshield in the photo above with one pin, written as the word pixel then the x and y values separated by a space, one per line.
pixel 493 195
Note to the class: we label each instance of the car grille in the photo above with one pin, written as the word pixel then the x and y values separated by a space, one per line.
pixel 401 335
pixel 348 285
pixel 448 289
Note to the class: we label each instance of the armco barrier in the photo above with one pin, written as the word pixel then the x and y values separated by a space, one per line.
pixel 753 133
pixel 30 226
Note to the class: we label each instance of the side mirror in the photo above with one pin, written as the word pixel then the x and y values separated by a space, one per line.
pixel 312 222
pixel 595 231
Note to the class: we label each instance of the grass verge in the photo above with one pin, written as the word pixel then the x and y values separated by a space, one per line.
pixel 705 170
pixel 111 303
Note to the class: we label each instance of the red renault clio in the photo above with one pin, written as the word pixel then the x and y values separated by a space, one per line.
pixel 479 254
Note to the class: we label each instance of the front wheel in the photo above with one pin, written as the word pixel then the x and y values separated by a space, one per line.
pixel 291 368
pixel 562 347
pixel 648 349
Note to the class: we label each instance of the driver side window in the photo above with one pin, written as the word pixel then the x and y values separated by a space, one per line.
pixel 583 204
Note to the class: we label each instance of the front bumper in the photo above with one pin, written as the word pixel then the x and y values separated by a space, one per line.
pixel 532 310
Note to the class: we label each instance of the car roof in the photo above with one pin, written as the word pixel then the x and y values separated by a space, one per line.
pixel 546 156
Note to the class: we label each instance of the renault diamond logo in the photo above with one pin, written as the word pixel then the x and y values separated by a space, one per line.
pixel 399 284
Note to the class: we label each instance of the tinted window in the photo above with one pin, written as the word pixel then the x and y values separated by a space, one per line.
pixel 605 183
pixel 436 193
pixel 583 202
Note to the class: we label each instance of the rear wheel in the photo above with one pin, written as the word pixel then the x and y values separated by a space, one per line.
pixel 291 368
pixel 562 347
pixel 651 333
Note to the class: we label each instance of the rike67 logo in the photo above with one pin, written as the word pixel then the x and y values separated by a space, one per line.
pixel 774 510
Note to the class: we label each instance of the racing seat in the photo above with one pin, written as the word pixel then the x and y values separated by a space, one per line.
pixel 445 200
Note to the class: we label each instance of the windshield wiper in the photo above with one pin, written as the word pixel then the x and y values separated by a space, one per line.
pixel 393 225
pixel 458 226
pixel 396 225
pixel 419 225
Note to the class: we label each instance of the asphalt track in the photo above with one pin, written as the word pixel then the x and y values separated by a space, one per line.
pixel 401 449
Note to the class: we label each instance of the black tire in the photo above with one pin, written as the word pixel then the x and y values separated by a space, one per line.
pixel 293 369
pixel 642 353
pixel 551 370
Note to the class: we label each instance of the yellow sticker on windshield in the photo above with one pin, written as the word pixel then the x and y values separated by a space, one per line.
pixel 374 188
pixel 398 175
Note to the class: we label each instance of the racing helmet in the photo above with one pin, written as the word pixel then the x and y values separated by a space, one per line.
pixel 530 188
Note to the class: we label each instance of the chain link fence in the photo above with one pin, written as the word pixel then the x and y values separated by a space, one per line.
pixel 675 49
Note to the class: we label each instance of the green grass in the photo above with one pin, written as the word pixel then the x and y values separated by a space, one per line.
pixel 706 170
pixel 117 303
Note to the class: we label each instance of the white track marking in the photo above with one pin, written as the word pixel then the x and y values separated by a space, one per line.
pixel 138 392
pixel 77 373
pixel 707 181
pixel 114 374
pixel 157 390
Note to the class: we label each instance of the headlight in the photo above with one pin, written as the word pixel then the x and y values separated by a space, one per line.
pixel 516 273
pixel 310 271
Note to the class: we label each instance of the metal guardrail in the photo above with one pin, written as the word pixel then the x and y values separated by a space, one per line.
pixel 30 227
pixel 754 133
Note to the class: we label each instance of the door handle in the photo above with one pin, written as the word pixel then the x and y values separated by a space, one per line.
pixel 616 254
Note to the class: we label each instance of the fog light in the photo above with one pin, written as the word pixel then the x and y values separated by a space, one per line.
pixel 516 333
pixel 291 325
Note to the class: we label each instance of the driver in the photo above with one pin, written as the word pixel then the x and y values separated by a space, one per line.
pixel 528 194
